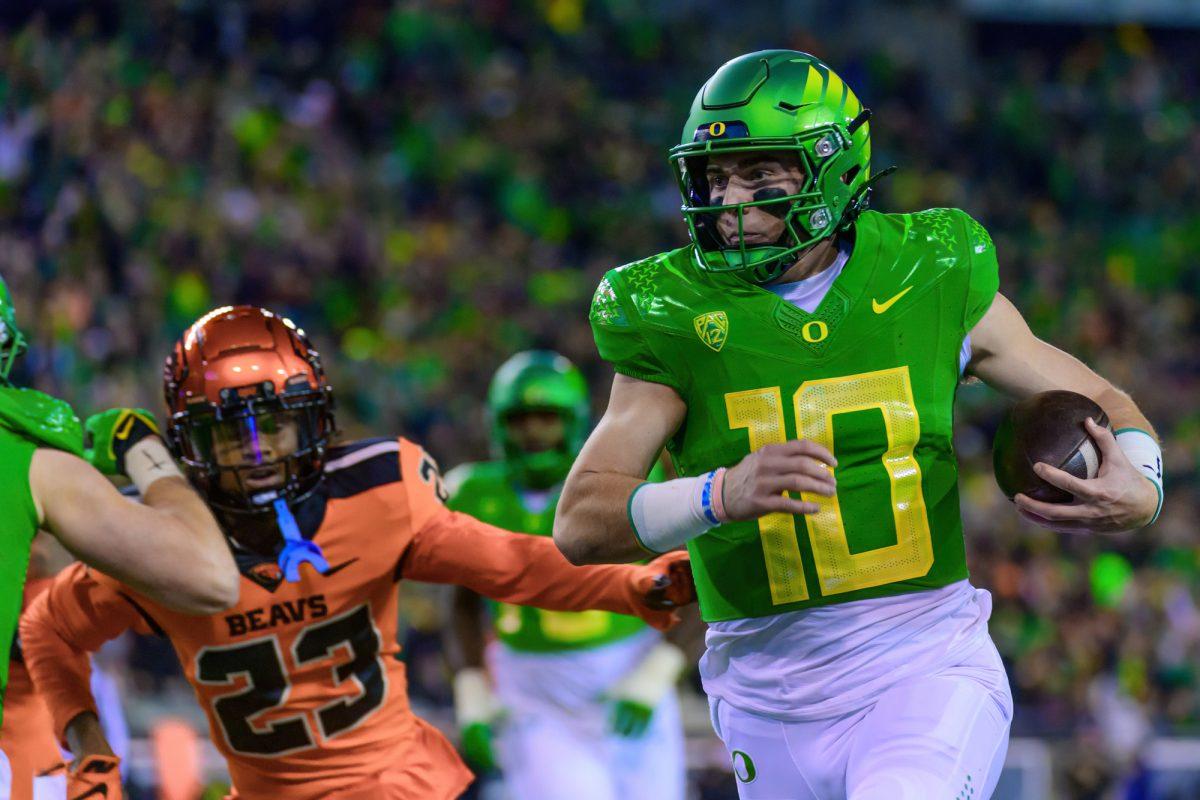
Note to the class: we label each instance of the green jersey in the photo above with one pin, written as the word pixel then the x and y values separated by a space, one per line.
pixel 871 374
pixel 28 420
pixel 486 492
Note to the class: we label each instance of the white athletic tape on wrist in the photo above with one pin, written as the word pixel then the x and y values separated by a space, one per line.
pixel 666 515
pixel 654 676
pixel 473 697
pixel 1146 456
pixel 147 462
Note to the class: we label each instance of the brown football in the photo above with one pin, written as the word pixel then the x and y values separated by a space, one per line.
pixel 1047 427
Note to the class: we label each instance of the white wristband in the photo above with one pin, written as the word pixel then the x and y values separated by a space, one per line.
pixel 666 515
pixel 1146 456
pixel 148 462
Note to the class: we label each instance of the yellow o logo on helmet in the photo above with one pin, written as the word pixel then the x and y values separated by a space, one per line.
pixel 822 330
pixel 716 129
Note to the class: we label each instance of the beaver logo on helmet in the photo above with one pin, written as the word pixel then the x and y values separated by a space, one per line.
pixel 250 409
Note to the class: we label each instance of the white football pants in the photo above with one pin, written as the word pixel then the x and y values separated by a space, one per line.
pixel 940 736
pixel 555 743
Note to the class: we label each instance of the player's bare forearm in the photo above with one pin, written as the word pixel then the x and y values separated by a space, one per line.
pixel 1008 357
pixel 591 525
pixel 1122 411
pixel 169 547
pixel 199 535
pixel 85 737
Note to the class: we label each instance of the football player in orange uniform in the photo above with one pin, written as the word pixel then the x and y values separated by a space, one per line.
pixel 304 693
pixel 27 735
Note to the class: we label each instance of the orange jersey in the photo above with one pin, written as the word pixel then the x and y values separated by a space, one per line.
pixel 27 736
pixel 301 682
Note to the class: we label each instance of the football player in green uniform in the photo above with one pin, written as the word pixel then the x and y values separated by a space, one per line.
pixel 46 483
pixel 799 359
pixel 584 702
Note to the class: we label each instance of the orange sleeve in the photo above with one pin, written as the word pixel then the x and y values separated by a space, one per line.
pixel 424 491
pixel 455 548
pixel 78 613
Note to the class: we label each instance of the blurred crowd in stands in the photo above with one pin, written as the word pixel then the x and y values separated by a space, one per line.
pixel 427 187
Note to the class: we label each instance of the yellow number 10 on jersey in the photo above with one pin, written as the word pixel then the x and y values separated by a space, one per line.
pixel 760 412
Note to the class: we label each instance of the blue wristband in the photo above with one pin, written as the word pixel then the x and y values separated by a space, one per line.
pixel 706 498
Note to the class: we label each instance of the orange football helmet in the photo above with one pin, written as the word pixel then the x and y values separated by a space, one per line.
pixel 251 411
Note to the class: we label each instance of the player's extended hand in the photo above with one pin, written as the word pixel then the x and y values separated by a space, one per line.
pixel 1118 499
pixel 755 486
pixel 94 777
pixel 662 586
pixel 673 585
pixel 110 435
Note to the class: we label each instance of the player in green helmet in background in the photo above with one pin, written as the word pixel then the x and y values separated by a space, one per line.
pixel 584 702
pixel 799 359
pixel 171 548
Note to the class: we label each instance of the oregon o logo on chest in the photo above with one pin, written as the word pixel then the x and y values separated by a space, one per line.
pixel 814 331
pixel 716 129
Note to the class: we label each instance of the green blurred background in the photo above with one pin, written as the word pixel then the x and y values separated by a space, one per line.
pixel 427 187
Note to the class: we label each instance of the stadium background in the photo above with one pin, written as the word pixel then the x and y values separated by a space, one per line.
pixel 427 187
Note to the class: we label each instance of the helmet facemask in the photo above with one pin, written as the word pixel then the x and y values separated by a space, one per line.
pixel 256 446
pixel 538 467
pixel 806 214
pixel 783 101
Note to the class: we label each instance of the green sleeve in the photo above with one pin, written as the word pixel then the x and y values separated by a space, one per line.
pixel 619 338
pixel 984 279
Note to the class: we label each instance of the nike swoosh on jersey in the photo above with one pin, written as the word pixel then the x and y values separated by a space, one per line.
pixel 339 567
pixel 879 307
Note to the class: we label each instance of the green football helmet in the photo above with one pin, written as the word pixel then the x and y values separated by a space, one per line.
pixel 12 341
pixel 539 380
pixel 775 100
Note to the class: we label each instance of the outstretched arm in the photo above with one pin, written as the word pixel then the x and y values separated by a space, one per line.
pixel 516 568
pixel 1007 356
pixel 169 547
pixel 591 525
